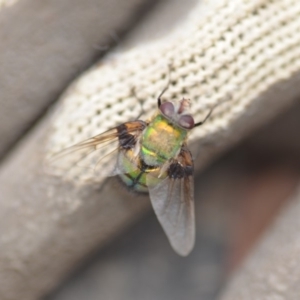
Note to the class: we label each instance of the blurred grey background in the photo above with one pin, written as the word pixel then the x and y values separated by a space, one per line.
pixel 45 46
pixel 237 198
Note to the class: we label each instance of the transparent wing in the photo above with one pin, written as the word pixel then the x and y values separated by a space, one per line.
pixel 95 158
pixel 173 202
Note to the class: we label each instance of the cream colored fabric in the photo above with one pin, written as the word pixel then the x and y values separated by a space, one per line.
pixel 244 55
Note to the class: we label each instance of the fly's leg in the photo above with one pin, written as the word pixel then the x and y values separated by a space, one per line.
pixel 225 99
pixel 163 91
pixel 133 92
pixel 207 116
pixel 166 87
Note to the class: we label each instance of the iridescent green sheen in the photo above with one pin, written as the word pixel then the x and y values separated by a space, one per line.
pixel 160 141
pixel 132 177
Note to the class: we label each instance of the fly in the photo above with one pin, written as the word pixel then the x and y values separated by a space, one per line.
pixel 150 156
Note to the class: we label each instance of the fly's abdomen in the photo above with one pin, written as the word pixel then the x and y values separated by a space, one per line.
pixel 134 181
pixel 136 174
pixel 132 173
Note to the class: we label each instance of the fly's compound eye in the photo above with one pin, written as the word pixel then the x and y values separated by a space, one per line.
pixel 167 109
pixel 186 121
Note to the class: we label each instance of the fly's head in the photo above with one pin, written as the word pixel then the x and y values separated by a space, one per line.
pixel 178 113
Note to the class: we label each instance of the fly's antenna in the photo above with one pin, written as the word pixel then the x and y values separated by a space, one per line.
pixel 166 87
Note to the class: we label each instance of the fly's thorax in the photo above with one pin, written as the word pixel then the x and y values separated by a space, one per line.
pixel 162 139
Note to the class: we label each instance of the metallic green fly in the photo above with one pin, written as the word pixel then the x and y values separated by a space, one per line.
pixel 152 156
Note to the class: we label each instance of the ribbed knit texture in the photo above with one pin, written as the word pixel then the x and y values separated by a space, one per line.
pixel 242 54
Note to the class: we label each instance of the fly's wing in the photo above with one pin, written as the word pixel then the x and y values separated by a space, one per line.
pixel 173 202
pixel 95 158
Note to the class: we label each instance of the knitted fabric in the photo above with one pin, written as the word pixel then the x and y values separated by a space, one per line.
pixel 242 55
